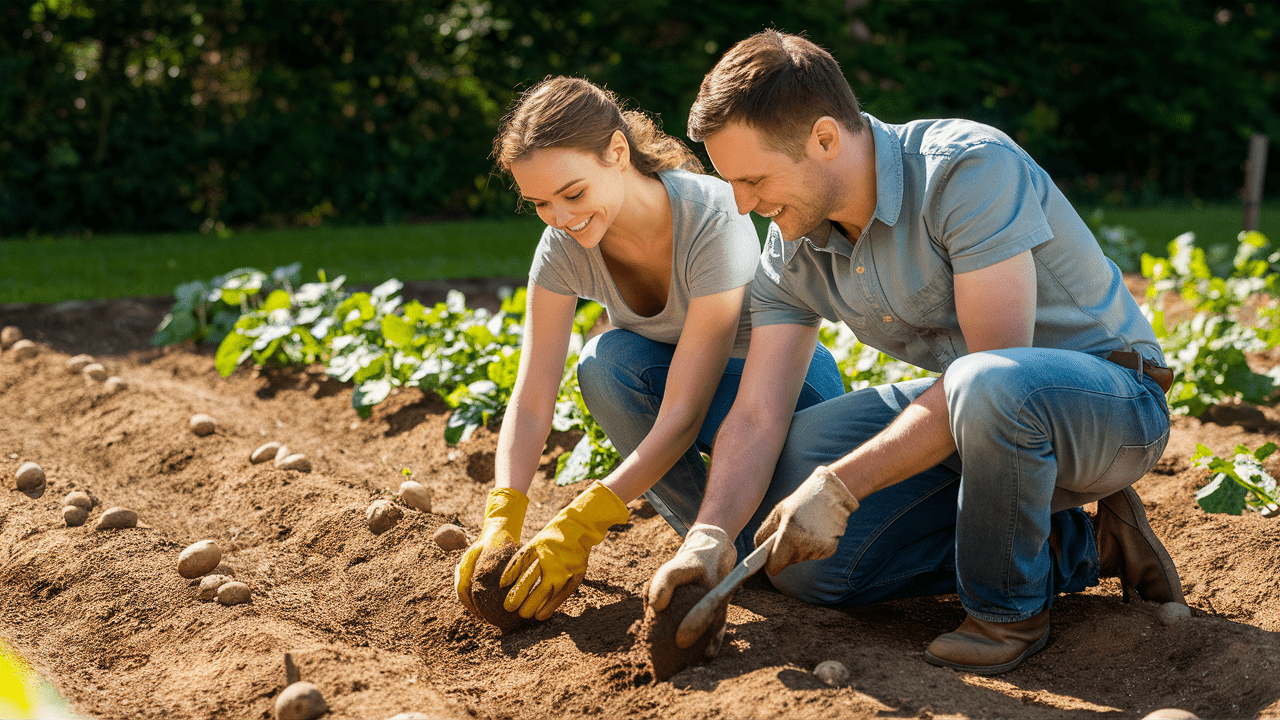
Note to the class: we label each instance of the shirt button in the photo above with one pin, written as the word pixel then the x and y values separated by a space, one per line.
pixel 888 318
pixel 861 270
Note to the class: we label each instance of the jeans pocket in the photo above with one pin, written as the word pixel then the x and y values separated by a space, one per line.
pixel 1130 463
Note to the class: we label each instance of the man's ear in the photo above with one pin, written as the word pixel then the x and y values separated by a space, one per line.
pixel 824 138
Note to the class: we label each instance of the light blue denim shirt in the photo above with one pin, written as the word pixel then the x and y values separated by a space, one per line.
pixel 953 196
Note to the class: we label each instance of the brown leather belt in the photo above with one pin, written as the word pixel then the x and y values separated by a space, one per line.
pixel 1132 360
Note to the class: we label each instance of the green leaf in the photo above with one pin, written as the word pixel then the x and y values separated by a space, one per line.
pixel 503 372
pixel 277 300
pixel 1265 451
pixel 370 393
pixel 174 329
pixel 397 331
pixel 233 351
pixel 1222 495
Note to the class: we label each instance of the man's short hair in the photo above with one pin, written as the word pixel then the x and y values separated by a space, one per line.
pixel 778 84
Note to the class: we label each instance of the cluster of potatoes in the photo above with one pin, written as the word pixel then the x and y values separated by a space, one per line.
pixel 16 348
pixel 31 481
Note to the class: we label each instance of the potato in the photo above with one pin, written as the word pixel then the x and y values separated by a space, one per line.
pixel 24 349
pixel 74 515
pixel 416 496
pixel 30 479
pixel 202 424
pixel 296 461
pixel 116 518
pixel 382 515
pixel 233 593
pixel 300 701
pixel 1172 613
pixel 95 371
pixel 264 453
pixel 79 499
pixel 832 672
pixel 115 384
pixel 8 336
pixel 199 559
pixel 281 453
pixel 1170 714
pixel 77 363
pixel 209 585
pixel 450 537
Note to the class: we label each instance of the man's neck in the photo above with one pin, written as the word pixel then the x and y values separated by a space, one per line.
pixel 859 188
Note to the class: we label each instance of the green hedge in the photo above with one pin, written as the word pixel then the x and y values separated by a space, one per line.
pixel 146 115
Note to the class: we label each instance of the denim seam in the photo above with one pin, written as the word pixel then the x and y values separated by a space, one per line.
pixel 871 538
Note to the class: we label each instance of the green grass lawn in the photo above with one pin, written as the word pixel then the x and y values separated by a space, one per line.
pixel 53 269
pixel 44 270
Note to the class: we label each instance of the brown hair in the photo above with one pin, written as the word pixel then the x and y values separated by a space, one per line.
pixel 566 112
pixel 780 85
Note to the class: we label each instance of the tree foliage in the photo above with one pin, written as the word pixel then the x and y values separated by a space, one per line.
pixel 156 115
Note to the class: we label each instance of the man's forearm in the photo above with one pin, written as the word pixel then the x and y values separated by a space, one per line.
pixel 915 441
pixel 735 486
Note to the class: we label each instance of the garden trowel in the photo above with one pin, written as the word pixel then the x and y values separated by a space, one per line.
pixel 695 621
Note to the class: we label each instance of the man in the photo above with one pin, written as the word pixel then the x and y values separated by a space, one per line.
pixel 942 243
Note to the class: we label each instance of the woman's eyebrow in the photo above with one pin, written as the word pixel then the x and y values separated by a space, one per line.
pixel 562 189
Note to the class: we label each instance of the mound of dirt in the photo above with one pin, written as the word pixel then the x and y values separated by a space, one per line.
pixel 658 633
pixel 488 594
pixel 373 621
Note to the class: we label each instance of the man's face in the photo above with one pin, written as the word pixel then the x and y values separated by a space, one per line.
pixel 797 196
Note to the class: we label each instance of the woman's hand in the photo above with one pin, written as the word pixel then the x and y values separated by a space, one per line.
pixel 550 567
pixel 503 519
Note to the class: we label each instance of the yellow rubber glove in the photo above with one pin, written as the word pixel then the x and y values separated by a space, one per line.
pixel 503 519
pixel 555 560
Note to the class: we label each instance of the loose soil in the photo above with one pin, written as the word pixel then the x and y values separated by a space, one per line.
pixel 373 620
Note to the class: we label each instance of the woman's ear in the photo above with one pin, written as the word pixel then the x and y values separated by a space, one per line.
pixel 619 150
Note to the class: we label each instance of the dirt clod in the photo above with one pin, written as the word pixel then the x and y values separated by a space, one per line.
pixel 658 633
pixel 485 592
pixel 382 515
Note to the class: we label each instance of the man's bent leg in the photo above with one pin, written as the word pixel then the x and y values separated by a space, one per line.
pixel 900 542
pixel 1031 421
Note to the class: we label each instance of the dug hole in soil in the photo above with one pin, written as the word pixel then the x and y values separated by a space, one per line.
pixel 372 620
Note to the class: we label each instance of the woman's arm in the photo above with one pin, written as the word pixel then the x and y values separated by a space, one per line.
pixel 548 321
pixel 706 340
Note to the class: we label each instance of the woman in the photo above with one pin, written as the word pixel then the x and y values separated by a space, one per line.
pixel 633 224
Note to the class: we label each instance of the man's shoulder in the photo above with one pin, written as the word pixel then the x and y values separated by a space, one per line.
pixel 705 191
pixel 950 137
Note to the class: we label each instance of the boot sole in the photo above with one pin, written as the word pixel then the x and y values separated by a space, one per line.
pixel 1034 648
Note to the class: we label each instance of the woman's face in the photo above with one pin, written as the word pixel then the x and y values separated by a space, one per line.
pixel 572 190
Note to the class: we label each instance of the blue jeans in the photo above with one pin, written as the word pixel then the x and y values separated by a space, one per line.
pixel 623 377
pixel 1038 431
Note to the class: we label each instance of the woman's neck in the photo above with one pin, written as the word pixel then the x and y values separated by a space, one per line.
pixel 643 220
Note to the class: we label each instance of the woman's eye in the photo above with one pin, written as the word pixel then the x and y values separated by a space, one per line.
pixel 575 197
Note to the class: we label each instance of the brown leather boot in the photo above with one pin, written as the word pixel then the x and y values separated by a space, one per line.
pixel 989 648
pixel 1129 550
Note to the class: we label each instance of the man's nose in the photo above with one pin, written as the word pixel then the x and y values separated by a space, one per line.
pixel 745 198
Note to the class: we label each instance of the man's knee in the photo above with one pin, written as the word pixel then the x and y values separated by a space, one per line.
pixel 810 582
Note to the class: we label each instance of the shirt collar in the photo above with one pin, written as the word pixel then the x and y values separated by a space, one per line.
pixel 888 153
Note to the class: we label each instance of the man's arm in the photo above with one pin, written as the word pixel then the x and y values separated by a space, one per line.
pixel 751 437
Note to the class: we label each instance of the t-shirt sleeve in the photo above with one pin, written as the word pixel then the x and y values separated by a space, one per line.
pixel 988 208
pixel 724 254
pixel 773 305
pixel 551 266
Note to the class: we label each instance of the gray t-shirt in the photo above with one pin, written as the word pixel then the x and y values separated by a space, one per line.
pixel 714 249
pixel 953 196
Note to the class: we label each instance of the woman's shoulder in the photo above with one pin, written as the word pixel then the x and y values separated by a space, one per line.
pixel 696 189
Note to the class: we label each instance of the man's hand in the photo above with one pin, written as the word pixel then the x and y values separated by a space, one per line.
pixel 503 519
pixel 549 568
pixel 809 522
pixel 706 556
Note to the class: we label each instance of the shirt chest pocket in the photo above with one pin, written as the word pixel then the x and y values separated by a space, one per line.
pixel 933 305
